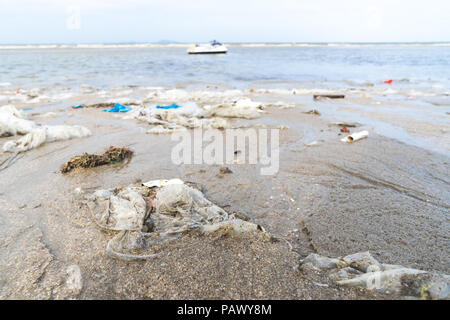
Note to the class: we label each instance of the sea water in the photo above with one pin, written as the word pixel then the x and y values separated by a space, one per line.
pixel 424 67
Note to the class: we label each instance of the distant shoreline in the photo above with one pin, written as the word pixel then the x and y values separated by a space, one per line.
pixel 231 44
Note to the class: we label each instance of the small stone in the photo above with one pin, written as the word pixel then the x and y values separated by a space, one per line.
pixel 225 170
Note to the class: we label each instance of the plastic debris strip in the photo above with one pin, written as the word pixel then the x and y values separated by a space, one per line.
pixel 13 122
pixel 182 96
pixel 118 108
pixel 162 183
pixel 40 135
pixel 172 106
pixel 145 217
pixel 190 115
pixel 389 81
pixel 363 270
pixel 243 108
pixel 111 156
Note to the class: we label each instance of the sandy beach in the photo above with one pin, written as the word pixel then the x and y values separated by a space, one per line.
pixel 381 194
pixel 239 159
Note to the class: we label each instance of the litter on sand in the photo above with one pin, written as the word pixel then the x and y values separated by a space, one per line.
pixel 145 218
pixel 40 135
pixel 172 106
pixel 345 130
pixel 328 96
pixel 111 156
pixel 13 122
pixel 356 136
pixel 191 115
pixel 389 81
pixel 118 108
pixel 109 106
pixel 161 183
pixel 363 270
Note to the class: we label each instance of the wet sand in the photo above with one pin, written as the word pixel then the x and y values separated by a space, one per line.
pixel 378 194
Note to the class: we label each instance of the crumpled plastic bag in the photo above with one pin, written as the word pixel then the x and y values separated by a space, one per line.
pixel 363 270
pixel 13 122
pixel 40 135
pixel 243 108
pixel 146 216
pixel 190 115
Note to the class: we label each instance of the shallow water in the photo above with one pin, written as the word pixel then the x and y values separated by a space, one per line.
pixel 414 109
pixel 423 66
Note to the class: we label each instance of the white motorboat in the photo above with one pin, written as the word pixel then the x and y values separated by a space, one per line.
pixel 213 47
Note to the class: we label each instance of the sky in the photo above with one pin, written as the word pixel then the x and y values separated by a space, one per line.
pixel 128 21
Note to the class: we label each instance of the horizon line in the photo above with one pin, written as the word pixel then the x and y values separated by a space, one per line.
pixel 164 42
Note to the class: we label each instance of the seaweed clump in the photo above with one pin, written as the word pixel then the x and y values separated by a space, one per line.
pixel 111 156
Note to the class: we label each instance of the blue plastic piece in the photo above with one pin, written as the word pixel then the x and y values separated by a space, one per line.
pixel 118 108
pixel 172 106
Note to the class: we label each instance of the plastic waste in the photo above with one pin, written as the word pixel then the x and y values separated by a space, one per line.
pixel 78 106
pixel 40 135
pixel 363 270
pixel 118 108
pixel 192 116
pixel 74 281
pixel 389 81
pixel 172 106
pixel 243 108
pixel 12 122
pixel 147 216
pixel 162 183
pixel 356 136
